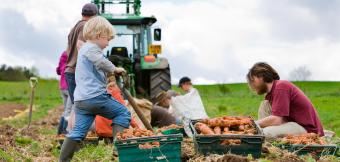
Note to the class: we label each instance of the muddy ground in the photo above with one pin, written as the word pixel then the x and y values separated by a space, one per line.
pixel 12 140
pixel 10 109
pixel 17 140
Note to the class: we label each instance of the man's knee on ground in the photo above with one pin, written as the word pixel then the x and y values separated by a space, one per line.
pixel 291 128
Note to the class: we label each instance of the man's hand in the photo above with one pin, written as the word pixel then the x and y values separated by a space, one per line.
pixel 119 70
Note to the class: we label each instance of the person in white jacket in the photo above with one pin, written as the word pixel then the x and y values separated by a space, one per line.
pixel 188 106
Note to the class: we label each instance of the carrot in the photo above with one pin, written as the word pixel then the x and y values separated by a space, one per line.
pixel 226 129
pixel 227 125
pixel 134 132
pixel 241 127
pixel 217 130
pixel 306 139
pixel 204 129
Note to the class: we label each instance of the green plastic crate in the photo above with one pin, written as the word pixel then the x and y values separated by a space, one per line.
pixel 211 144
pixel 174 131
pixel 318 150
pixel 169 150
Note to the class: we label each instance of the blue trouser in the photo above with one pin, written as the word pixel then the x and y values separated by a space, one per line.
pixel 103 105
pixel 71 84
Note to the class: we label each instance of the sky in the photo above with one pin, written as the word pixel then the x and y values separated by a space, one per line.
pixel 214 41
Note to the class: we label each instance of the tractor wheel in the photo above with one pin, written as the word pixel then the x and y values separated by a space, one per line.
pixel 160 80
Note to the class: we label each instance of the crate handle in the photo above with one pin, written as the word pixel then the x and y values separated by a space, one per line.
pixel 162 157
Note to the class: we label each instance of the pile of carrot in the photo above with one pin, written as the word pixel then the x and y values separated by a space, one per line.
pixel 149 145
pixel 226 125
pixel 137 132
pixel 305 139
pixel 134 133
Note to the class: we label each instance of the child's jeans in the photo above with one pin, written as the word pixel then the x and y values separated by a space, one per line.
pixel 103 105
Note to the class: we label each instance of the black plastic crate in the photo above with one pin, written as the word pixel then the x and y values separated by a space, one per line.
pixel 169 149
pixel 211 144
pixel 318 150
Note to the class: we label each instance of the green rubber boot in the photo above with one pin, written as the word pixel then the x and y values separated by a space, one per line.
pixel 67 150
pixel 115 129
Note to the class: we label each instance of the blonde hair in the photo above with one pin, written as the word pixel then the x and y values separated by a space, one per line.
pixel 98 26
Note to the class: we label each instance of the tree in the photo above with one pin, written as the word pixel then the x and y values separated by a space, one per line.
pixel 8 73
pixel 300 74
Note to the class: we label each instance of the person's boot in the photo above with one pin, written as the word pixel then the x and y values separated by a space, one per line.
pixel 116 129
pixel 67 150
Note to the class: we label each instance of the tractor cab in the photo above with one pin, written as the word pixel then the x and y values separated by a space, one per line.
pixel 136 47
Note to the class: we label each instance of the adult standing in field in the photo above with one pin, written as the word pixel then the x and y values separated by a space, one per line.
pixel 286 109
pixel 64 94
pixel 75 41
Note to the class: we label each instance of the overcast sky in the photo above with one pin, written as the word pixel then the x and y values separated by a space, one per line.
pixel 211 41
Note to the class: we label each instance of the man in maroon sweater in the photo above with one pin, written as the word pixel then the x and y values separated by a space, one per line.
pixel 286 109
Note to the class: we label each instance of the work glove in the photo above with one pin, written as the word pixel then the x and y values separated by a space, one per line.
pixel 119 70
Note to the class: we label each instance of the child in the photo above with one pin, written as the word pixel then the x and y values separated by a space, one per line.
pixel 90 96
pixel 64 94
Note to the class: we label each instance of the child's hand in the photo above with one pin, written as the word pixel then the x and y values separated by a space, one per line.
pixel 119 70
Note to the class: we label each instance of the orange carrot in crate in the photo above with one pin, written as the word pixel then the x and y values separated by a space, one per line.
pixel 306 139
pixel 217 130
pixel 204 129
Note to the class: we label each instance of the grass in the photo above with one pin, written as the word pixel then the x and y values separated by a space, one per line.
pixel 102 152
pixel 47 96
pixel 222 99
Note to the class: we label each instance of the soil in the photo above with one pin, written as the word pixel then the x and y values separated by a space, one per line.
pixel 188 150
pixel 8 135
pixel 7 110
pixel 52 118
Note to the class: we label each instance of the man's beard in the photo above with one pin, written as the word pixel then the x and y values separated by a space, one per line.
pixel 262 89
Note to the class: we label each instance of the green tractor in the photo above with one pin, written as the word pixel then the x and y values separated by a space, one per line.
pixel 136 48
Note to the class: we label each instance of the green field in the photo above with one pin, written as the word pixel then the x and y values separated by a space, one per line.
pixel 47 96
pixel 226 99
